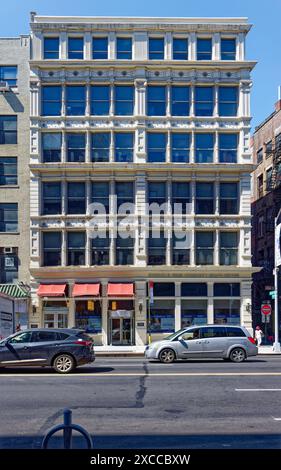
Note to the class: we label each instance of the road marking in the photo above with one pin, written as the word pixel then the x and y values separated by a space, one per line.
pixel 123 374
pixel 277 419
pixel 258 389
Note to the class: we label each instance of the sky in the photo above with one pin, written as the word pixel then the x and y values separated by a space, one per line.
pixel 263 42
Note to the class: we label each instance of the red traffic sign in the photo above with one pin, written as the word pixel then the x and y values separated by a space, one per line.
pixel 266 309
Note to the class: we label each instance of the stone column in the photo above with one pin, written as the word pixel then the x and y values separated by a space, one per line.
pixel 140 190
pixel 63 45
pixel 140 313
pixel 210 308
pixel 177 306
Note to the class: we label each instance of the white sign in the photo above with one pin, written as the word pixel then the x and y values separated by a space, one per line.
pixel 277 245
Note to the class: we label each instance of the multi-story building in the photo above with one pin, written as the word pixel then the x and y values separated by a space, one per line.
pixel 266 145
pixel 140 110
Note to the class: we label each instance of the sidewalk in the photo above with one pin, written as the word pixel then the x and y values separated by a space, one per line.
pixel 268 350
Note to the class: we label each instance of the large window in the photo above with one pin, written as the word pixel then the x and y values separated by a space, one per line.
pixel 51 144
pixel 88 316
pixel 204 248
pixel 156 147
pixel 124 48
pixel 204 49
pixel 51 198
pixel 180 147
pixel 228 248
pixel 228 49
pixel 51 100
pixel 75 100
pixel 204 101
pixel 100 250
pixel 100 146
pixel 156 101
pixel 124 191
pixel 51 48
pixel 76 147
pixel 204 148
pixel 75 48
pixel 228 100
pixel 9 74
pixel 124 251
pixel 157 248
pixel 8 171
pixel 194 289
pixel 100 100
pixel 181 249
pixel 156 48
pixel 8 217
pixel 124 147
pixel 205 198
pixel 100 194
pixel 52 248
pixel 124 100
pixel 193 312
pixel 162 316
pixel 181 196
pixel 157 193
pixel 100 48
pixel 228 147
pixel 76 242
pixel 227 312
pixel 163 289
pixel 229 200
pixel 76 198
pixel 8 130
pixel 226 289
pixel 9 263
pixel 180 100
pixel 180 48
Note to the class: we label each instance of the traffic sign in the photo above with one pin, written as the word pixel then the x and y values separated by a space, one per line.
pixel 266 309
pixel 272 292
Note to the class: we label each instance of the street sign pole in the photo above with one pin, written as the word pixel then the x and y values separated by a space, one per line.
pixel 276 344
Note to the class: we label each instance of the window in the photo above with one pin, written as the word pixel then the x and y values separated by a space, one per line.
pixel 8 130
pixel 75 48
pixel 100 147
pixel 227 312
pixel 229 201
pixel 259 156
pixel 157 142
pixel 234 332
pixel 163 289
pixel 268 148
pixel 51 144
pixel 100 48
pixel 156 193
pixel 76 198
pixel 76 242
pixel 204 101
pixel 228 49
pixel 43 336
pixel 181 196
pixel 75 100
pixel 205 198
pixel 180 147
pixel 268 178
pixel 181 249
pixel 124 191
pixel 278 141
pixel 204 248
pixel 51 48
pixel 162 316
pixel 8 171
pixel 124 147
pixel 21 338
pixel 180 48
pixel 204 148
pixel 227 289
pixel 124 252
pixel 228 248
pixel 100 250
pixel 204 49
pixel 156 248
pixel 100 100
pixel 9 266
pixel 228 100
pixel 194 289
pixel 180 104
pixel 156 101
pixel 88 318
pixel 228 148
pixel 9 74
pixel 260 185
pixel 76 147
pixel 124 100
pixel 8 217
pixel 124 48
pixel 52 248
pixel 261 231
pixel 156 48
pixel 213 332
pixel 100 194
pixel 51 100
pixel 193 312
pixel 51 203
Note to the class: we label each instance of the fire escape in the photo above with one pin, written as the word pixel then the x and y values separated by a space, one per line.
pixel 274 184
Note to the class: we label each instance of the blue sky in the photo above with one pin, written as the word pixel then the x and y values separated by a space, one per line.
pixel 263 42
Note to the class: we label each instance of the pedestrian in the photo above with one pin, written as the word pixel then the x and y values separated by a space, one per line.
pixel 258 335
pixel 18 328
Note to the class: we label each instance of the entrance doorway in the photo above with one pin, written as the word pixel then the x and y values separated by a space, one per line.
pixel 121 328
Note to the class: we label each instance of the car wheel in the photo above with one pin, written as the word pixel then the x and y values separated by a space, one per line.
pixel 64 363
pixel 167 356
pixel 237 355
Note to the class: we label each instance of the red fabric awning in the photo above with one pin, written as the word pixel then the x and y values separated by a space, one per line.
pixel 120 290
pixel 83 290
pixel 51 290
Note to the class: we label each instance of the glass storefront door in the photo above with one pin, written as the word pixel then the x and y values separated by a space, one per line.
pixel 121 328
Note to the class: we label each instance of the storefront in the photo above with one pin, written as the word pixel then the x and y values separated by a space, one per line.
pixel 121 314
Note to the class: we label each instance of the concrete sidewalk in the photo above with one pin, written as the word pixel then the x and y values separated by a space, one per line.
pixel 268 350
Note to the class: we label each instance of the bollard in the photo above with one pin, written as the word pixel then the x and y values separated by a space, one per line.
pixel 67 428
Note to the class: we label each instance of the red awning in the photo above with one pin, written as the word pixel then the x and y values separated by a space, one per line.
pixel 120 290
pixel 84 290
pixel 51 290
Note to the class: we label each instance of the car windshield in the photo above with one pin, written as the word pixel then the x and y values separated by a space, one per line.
pixel 174 335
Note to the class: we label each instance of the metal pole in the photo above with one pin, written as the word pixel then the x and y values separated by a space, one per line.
pixel 67 432
pixel 276 345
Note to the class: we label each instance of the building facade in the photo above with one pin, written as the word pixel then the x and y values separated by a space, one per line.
pixel 139 111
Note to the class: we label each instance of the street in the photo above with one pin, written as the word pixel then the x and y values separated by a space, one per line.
pixel 130 403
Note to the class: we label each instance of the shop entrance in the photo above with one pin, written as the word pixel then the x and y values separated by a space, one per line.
pixel 121 328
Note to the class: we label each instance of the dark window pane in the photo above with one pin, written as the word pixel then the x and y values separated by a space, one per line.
pixel 100 146
pixel 76 198
pixel 76 147
pixel 51 48
pixel 180 147
pixel 228 148
pixel 100 250
pixel 75 100
pixel 8 217
pixel 75 48
pixel 124 252
pixel 227 289
pixel 229 201
pixel 228 101
pixel 100 48
pixel 9 74
pixel 157 147
pixel 100 100
pixel 163 289
pixel 204 148
pixel 51 198
pixel 228 49
pixel 204 198
pixel 204 248
pixel 51 100
pixel 76 248
pixel 124 147
pixel 228 248
pixel 100 194
pixel 180 101
pixel 8 130
pixel 204 49
pixel 124 100
pixel 8 171
pixel 194 289
pixel 157 249
pixel 204 101
pixel 51 143
pixel 156 101
pixel 156 48
pixel 124 48
pixel 180 49
pixel 52 248
pixel 233 332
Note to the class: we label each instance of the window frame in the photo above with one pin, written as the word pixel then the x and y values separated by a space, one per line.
pixel 6 173
pixel 74 51
pixel 47 52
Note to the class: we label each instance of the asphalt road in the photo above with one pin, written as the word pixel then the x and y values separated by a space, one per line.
pixel 130 403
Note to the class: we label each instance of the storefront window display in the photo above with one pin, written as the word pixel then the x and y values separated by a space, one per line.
pixel 162 316
pixel 227 311
pixel 88 315
pixel 193 312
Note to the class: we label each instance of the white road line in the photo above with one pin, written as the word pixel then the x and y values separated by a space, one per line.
pixel 258 389
pixel 95 374
pixel 277 419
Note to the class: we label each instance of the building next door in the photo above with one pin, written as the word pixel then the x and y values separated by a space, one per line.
pixel 121 327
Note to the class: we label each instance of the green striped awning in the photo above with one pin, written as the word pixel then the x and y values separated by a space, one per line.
pixel 14 290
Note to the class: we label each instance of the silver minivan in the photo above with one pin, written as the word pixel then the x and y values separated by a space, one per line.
pixel 228 342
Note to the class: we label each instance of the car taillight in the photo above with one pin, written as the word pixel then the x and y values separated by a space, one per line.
pixel 84 343
pixel 252 340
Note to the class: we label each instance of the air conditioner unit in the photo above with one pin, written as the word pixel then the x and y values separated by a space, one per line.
pixel 8 250
pixel 4 86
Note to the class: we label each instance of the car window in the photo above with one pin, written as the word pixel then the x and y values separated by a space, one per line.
pixel 213 332
pixel 40 336
pixel 21 338
pixel 234 332
pixel 84 336
pixel 191 334
pixel 62 336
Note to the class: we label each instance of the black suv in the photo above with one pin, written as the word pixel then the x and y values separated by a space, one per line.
pixel 63 349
